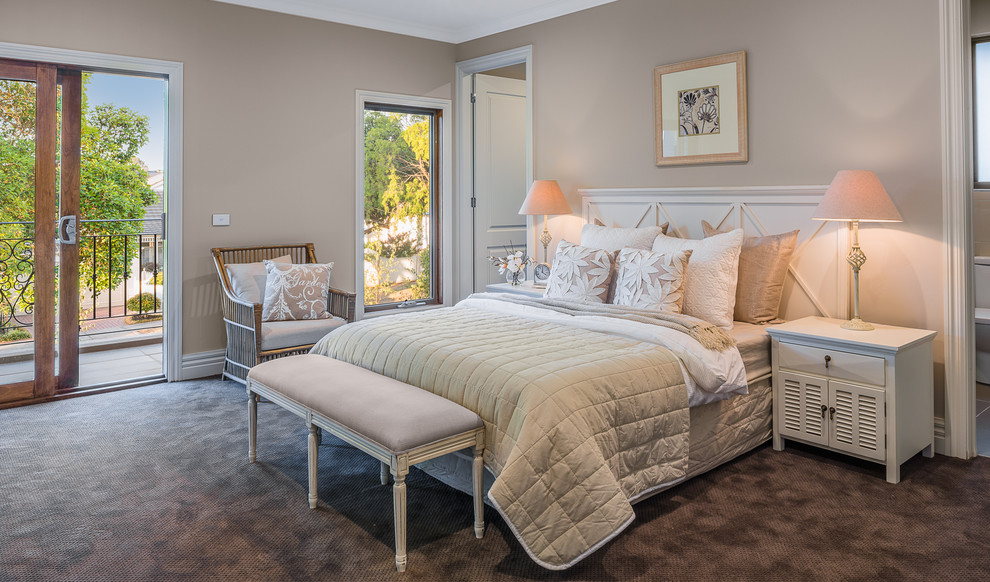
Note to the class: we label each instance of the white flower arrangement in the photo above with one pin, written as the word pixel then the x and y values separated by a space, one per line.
pixel 513 262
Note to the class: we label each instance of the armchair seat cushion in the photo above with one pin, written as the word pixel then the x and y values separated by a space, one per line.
pixel 286 334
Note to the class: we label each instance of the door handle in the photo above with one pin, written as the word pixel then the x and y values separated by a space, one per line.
pixel 67 229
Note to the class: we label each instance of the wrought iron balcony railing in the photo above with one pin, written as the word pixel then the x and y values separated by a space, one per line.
pixel 107 271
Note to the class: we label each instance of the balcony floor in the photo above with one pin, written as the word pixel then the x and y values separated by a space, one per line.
pixel 134 352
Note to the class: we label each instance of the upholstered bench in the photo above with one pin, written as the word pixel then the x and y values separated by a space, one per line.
pixel 398 424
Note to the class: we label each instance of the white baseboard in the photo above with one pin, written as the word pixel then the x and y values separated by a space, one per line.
pixel 939 435
pixel 202 364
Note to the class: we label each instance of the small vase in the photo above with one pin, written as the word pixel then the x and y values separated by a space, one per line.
pixel 516 278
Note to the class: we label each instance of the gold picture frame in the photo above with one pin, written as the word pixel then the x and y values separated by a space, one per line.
pixel 700 111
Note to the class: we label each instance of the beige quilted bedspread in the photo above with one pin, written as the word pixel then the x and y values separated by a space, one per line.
pixel 577 422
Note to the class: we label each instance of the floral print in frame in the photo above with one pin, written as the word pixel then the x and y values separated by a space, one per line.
pixel 700 111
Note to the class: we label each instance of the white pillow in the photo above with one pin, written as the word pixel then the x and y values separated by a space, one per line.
pixel 247 280
pixel 650 280
pixel 710 285
pixel 614 239
pixel 580 273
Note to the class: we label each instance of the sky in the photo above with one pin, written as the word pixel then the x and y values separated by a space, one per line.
pixel 144 95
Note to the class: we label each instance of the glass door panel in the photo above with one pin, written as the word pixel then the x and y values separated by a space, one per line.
pixel 29 127
pixel 17 233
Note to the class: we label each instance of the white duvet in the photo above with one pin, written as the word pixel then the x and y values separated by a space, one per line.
pixel 710 376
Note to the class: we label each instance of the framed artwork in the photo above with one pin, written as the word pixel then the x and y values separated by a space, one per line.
pixel 700 109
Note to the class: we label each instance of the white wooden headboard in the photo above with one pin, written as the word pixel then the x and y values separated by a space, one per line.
pixel 818 279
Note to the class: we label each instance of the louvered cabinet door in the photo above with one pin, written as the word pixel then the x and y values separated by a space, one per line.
pixel 801 413
pixel 858 420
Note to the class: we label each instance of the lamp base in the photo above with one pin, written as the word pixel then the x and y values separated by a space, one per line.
pixel 857 324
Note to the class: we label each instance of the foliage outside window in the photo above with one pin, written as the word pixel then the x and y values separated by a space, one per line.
pixel 113 185
pixel 400 211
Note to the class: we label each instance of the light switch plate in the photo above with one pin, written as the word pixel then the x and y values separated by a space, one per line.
pixel 221 220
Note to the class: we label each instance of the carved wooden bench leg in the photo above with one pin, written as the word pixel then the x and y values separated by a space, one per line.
pixel 399 468
pixel 478 480
pixel 385 471
pixel 313 462
pixel 252 426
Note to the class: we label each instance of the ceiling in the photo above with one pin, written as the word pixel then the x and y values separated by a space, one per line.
pixel 453 21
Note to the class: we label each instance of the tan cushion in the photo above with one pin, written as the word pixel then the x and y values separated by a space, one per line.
pixel 651 280
pixel 393 414
pixel 710 287
pixel 613 239
pixel 580 273
pixel 247 280
pixel 287 334
pixel 295 292
pixel 763 262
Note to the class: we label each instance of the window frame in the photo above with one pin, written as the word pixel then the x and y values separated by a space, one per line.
pixel 441 202
pixel 977 184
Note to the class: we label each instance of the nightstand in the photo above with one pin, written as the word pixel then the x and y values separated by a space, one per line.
pixel 863 393
pixel 525 288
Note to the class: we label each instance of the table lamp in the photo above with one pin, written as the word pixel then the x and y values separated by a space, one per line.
pixel 544 198
pixel 856 196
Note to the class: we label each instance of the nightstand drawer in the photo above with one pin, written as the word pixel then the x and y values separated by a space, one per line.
pixel 842 365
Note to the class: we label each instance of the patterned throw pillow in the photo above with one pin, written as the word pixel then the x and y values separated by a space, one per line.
pixel 296 291
pixel 710 287
pixel 580 273
pixel 651 280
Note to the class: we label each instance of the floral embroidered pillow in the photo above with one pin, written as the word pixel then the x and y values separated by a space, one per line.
pixel 650 280
pixel 296 291
pixel 580 273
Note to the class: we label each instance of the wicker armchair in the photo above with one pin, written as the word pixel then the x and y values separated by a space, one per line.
pixel 249 340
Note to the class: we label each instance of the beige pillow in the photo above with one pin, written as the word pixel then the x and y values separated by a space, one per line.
pixel 247 280
pixel 580 273
pixel 296 291
pixel 763 262
pixel 710 288
pixel 651 280
pixel 613 239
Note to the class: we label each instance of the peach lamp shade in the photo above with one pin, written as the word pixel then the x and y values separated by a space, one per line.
pixel 545 197
pixel 857 195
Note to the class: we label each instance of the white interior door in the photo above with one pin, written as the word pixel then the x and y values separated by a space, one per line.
pixel 499 172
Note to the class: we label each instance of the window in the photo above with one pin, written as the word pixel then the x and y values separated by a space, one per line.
pixel 401 199
pixel 981 112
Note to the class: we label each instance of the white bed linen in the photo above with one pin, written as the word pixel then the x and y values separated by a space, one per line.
pixel 710 376
pixel 753 343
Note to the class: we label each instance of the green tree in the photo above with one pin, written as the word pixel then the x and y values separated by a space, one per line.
pixel 397 187
pixel 113 185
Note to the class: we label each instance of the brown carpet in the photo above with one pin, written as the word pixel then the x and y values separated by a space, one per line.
pixel 153 484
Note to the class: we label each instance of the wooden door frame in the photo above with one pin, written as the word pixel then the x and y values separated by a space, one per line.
pixel 45 78
pixel 173 73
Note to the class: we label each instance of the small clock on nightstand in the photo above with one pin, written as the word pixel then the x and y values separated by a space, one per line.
pixel 541 273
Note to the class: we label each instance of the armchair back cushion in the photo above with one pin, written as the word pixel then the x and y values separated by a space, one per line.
pixel 247 280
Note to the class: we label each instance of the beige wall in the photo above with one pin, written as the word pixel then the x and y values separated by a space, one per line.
pixel 828 90
pixel 269 126
pixel 979 15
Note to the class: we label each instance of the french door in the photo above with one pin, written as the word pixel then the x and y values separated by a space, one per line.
pixel 39 260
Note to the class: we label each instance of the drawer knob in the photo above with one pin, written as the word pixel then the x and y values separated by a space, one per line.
pixel 827 360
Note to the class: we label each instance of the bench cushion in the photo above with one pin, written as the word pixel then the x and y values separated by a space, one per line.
pixel 393 414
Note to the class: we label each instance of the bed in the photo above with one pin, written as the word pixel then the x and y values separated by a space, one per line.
pixel 584 414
